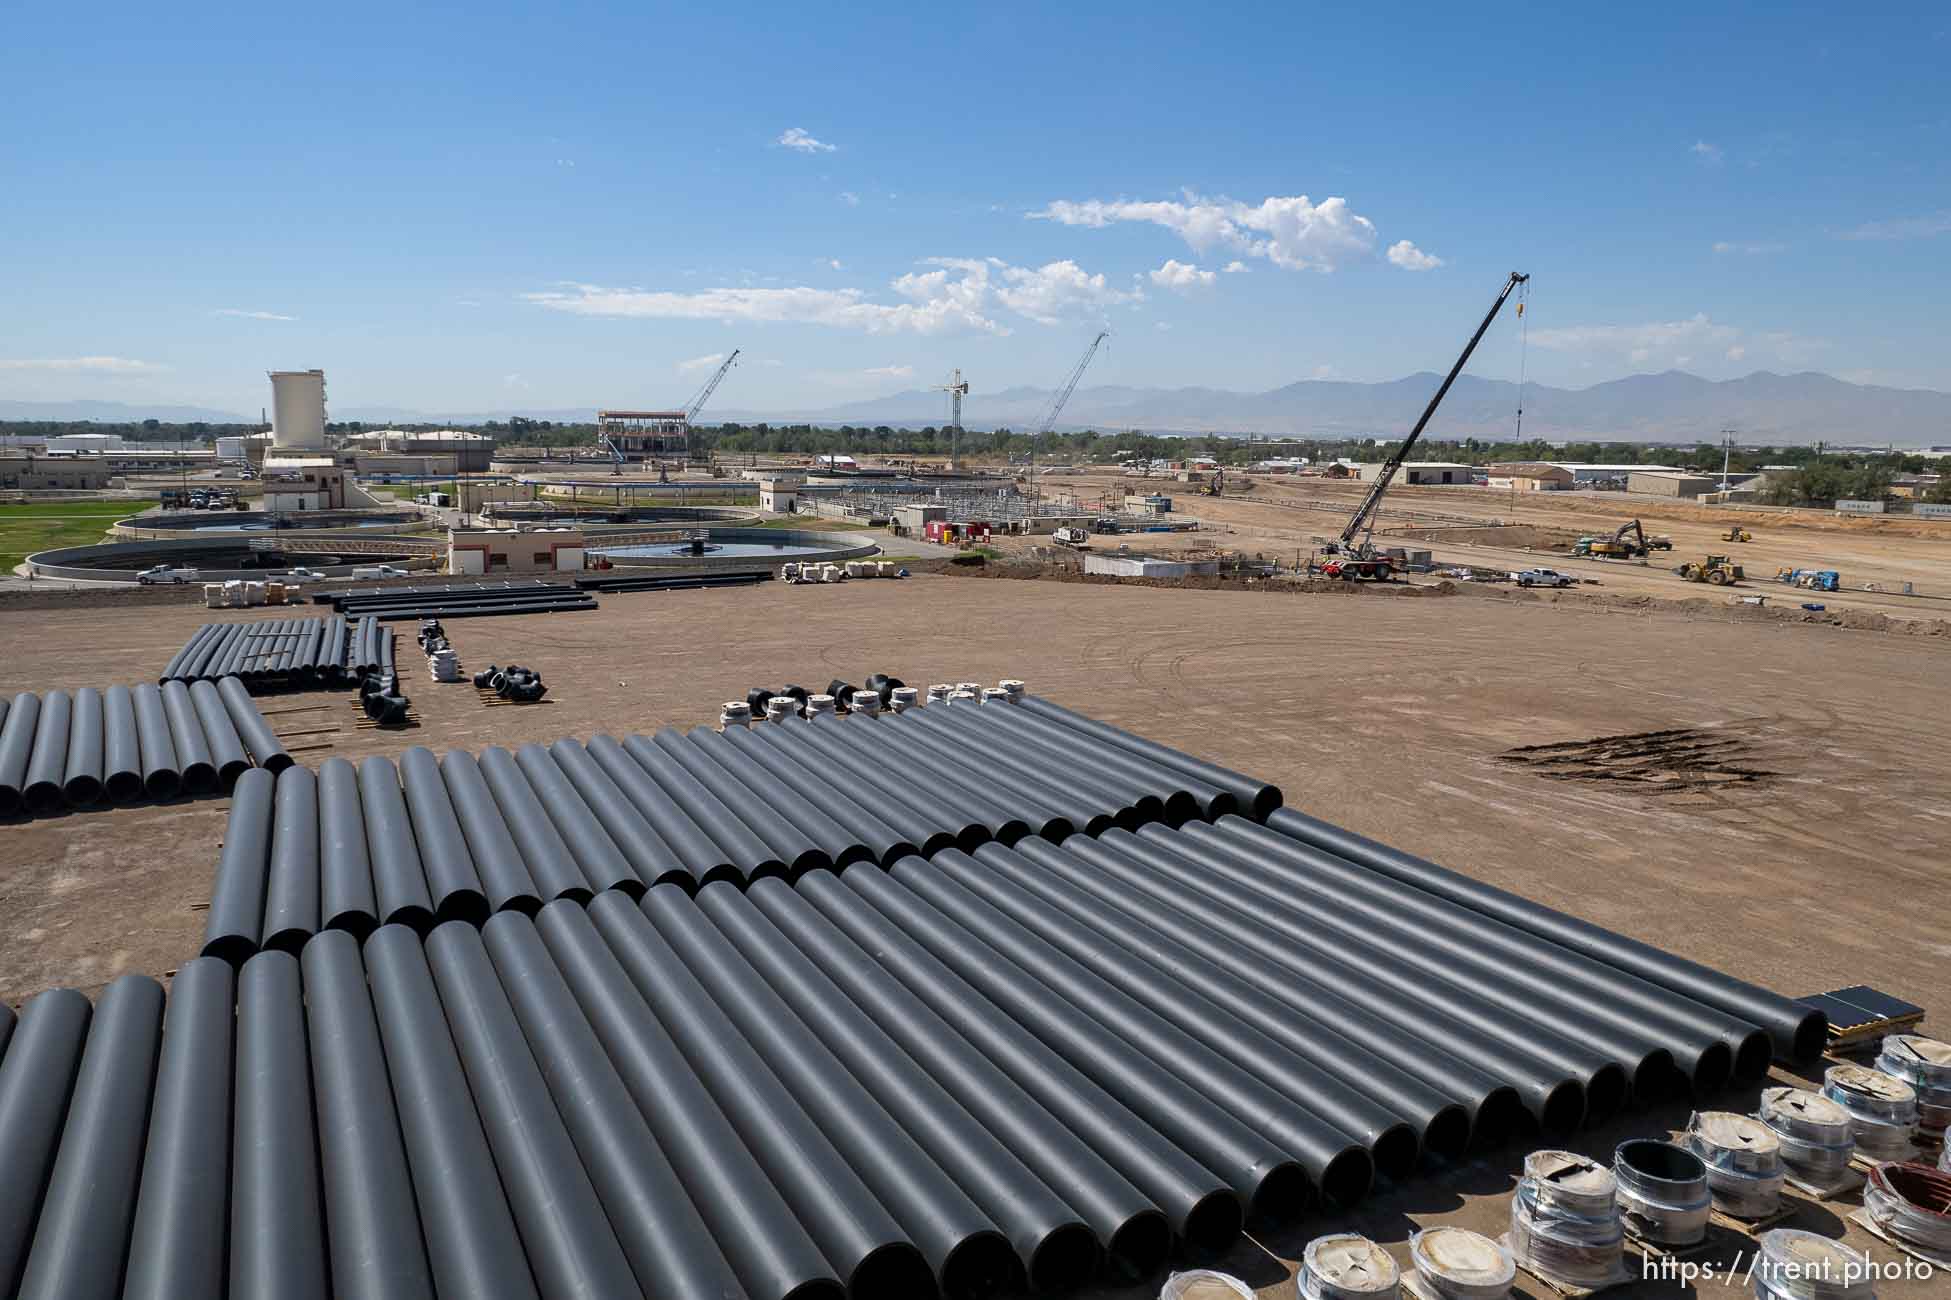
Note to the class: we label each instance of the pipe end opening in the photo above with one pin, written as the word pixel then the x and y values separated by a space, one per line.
pixel 1752 1057
pixel 1139 1248
pixel 463 905
pixel 1215 1223
pixel 1712 1070
pixel 1605 1093
pixel 1284 1194
pixel 980 1267
pixel 1563 1110
pixel 123 787
pixel 891 1272
pixel 1064 1260
pixel 1447 1135
pixel 1393 1156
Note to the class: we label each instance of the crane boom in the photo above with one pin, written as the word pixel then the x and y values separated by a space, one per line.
pixel 1062 399
pixel 1363 520
pixel 711 386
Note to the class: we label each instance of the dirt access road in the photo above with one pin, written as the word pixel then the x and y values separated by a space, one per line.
pixel 1793 830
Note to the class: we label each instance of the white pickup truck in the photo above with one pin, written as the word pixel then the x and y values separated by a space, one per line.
pixel 166 573
pixel 1543 578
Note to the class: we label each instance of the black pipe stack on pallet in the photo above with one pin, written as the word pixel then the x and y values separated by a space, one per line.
pixel 67 750
pixel 292 653
pixel 458 600
pixel 803 1011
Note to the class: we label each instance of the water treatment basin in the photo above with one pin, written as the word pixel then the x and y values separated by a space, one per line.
pixel 736 546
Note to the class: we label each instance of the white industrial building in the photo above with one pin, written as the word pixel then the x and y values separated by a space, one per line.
pixel 1423 473
pixel 1583 473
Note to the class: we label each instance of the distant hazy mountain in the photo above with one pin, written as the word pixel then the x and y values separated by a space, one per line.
pixel 1668 407
pixel 117 412
pixel 1663 407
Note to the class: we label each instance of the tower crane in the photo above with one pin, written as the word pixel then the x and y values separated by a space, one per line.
pixel 1358 559
pixel 957 388
pixel 1058 402
pixel 704 394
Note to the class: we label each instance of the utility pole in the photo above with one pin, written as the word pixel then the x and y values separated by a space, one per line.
pixel 1727 454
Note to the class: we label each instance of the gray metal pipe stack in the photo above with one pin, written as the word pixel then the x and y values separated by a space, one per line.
pixel 16 749
pixel 277 1220
pixel 122 746
pixel 35 1086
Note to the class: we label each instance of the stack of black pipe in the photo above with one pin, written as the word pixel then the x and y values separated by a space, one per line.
pixel 625 581
pixel 459 600
pixel 527 1024
pixel 64 750
pixel 299 653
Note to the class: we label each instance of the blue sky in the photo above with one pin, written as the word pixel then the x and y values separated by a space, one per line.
pixel 489 207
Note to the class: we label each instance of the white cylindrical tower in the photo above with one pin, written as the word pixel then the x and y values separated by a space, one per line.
pixel 298 409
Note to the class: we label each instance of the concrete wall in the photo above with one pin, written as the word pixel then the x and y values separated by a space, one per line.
pixel 1133 566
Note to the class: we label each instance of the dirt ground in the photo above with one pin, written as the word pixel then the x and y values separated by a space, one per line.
pixel 1281 517
pixel 1791 829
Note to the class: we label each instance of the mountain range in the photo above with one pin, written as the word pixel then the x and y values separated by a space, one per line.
pixel 1669 407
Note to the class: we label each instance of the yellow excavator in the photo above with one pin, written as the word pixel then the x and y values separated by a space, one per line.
pixel 1628 543
pixel 1719 570
pixel 1737 535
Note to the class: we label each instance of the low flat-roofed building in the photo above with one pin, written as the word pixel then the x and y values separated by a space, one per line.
pixel 296 483
pixel 1671 483
pixel 1423 473
pixel 1530 476
pixel 63 474
pixel 488 551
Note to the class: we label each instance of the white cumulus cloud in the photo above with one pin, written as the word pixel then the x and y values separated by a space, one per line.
pixel 1293 232
pixel 850 198
pixel 711 360
pixel 1711 154
pixel 1406 255
pixel 1182 277
pixel 94 365
pixel 888 372
pixel 797 137
pixel 250 315
pixel 1236 267
pixel 1678 342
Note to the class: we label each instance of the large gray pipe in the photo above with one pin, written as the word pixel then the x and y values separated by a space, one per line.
pixel 6 1028
pixel 1190 925
pixel 1186 797
pixel 670 1248
pixel 951 1194
pixel 1795 1031
pixel 81 780
pixel 226 747
pixel 16 749
pixel 597 856
pixel 196 770
pixel 34 1092
pixel 1267 1178
pixel 1091 799
pixel 376 1248
pixel 91 1198
pixel 800 851
pixel 291 900
pixel 946 1091
pixel 235 928
pixel 1004 810
pixel 1702 1039
pixel 266 749
pixel 1352 962
pixel 775 797
pixel 1336 1138
pixel 855 1231
pixel 1084 804
pixel 703 857
pixel 771 1251
pixel 345 866
pixel 472 1244
pixel 1153 964
pixel 504 877
pixel 161 778
pixel 399 880
pixel 451 876
pixel 903 806
pixel 550 863
pixel 277 1224
pixel 48 764
pixel 752 854
pixel 650 859
pixel 920 786
pixel 1514 988
pixel 841 802
pixel 176 1248
pixel 121 746
pixel 176 660
pixel 1256 798
pixel 569 1241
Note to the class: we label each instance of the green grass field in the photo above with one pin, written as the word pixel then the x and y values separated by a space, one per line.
pixel 26 529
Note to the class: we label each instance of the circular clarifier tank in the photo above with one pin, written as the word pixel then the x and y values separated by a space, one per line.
pixel 728 546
